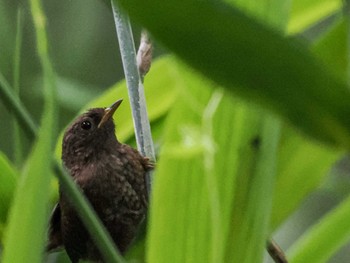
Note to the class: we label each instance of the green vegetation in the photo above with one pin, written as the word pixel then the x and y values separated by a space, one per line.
pixel 247 120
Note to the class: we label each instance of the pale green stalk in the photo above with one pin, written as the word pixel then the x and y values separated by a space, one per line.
pixel 134 83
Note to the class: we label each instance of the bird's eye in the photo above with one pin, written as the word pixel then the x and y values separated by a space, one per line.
pixel 86 125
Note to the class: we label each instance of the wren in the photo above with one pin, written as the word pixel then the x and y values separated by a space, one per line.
pixel 111 175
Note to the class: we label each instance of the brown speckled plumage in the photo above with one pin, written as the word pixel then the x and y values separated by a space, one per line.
pixel 112 177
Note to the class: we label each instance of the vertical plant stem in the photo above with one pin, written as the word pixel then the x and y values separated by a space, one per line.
pixel 18 149
pixel 134 84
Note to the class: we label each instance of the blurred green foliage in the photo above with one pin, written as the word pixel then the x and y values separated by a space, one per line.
pixel 83 48
pixel 230 172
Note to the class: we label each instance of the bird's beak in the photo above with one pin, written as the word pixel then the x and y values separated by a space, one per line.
pixel 109 112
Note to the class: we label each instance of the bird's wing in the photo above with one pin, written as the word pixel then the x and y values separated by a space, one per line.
pixel 55 236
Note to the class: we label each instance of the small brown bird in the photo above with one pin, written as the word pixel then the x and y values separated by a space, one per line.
pixel 112 177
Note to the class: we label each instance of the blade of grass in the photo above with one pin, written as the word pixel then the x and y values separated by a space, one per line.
pixel 250 217
pixel 173 228
pixel 301 167
pixel 12 102
pixel 25 235
pixel 18 149
pixel 8 180
pixel 37 166
pixel 85 211
pixel 260 201
pixel 332 231
pixel 321 241
pixel 331 48
pixel 305 13
pixel 303 163
pixel 192 199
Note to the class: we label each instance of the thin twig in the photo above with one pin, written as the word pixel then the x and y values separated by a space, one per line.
pixel 275 252
pixel 134 83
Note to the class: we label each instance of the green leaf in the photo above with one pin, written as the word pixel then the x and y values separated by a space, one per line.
pixel 25 235
pixel 8 180
pixel 28 218
pixel 17 146
pixel 305 13
pixel 180 218
pixel 273 12
pixel 332 48
pixel 326 237
pixel 207 144
pixel 11 100
pixel 302 165
pixel 253 61
pixel 255 181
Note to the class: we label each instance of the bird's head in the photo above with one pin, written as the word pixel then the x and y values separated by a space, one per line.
pixel 89 133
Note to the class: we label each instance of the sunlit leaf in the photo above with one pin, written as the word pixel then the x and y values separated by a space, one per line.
pixel 208 137
pixel 305 13
pixel 272 12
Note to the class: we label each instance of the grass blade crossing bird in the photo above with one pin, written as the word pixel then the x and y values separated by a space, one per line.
pixel 113 178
